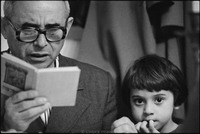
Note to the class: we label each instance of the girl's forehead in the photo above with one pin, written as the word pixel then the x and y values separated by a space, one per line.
pixel 145 92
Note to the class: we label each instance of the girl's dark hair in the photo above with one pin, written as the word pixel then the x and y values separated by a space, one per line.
pixel 155 73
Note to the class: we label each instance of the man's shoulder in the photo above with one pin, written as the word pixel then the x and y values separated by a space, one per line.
pixel 86 67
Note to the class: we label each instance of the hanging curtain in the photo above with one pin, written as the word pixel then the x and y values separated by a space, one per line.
pixel 119 32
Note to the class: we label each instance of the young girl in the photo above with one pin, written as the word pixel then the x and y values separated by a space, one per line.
pixel 152 88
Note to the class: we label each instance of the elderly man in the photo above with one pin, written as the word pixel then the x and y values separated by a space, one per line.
pixel 35 32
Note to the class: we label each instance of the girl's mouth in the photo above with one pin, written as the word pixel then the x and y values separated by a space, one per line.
pixel 149 121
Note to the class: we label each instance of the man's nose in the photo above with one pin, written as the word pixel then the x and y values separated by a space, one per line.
pixel 41 41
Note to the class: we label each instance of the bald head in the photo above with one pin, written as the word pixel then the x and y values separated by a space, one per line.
pixel 9 8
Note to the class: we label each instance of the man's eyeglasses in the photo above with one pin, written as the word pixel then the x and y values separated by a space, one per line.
pixel 31 34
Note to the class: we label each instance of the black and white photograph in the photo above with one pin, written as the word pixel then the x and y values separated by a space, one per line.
pixel 102 66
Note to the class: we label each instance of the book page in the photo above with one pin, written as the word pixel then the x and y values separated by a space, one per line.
pixel 16 75
pixel 58 85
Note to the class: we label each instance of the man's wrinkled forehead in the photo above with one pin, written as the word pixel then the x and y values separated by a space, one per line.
pixel 43 6
pixel 39 12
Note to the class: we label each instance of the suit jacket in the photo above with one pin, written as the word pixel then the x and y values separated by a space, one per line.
pixel 95 108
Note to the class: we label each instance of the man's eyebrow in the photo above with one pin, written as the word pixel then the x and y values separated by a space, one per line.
pixel 52 25
pixel 27 24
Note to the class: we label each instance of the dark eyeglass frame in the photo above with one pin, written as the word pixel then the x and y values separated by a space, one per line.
pixel 40 31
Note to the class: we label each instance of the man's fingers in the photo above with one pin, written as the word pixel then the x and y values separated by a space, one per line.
pixel 24 105
pixel 30 113
pixel 24 95
pixel 33 118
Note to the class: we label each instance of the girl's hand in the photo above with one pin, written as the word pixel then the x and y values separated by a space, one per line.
pixel 123 125
pixel 144 127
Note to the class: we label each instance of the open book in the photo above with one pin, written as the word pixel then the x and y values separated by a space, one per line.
pixel 58 85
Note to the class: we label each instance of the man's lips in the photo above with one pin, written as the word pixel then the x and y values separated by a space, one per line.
pixel 38 56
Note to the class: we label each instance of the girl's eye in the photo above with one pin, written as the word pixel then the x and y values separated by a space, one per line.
pixel 138 102
pixel 159 100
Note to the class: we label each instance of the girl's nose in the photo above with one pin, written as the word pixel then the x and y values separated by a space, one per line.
pixel 148 110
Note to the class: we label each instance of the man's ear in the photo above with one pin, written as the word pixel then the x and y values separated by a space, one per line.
pixel 3 27
pixel 69 23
